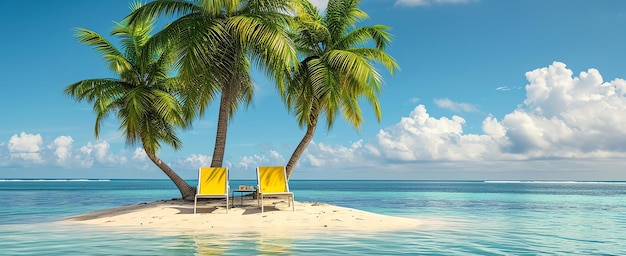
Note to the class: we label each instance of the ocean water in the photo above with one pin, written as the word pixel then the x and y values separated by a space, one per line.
pixel 469 218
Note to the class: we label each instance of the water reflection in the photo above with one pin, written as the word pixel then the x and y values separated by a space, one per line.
pixel 274 246
pixel 253 243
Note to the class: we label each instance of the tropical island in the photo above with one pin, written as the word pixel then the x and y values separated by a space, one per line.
pixel 176 216
pixel 503 135
pixel 322 65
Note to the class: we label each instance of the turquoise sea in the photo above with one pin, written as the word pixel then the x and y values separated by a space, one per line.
pixel 472 218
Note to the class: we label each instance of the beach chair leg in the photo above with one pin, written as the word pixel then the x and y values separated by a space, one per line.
pixel 195 203
pixel 226 204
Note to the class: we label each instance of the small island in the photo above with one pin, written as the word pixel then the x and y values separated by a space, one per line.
pixel 176 216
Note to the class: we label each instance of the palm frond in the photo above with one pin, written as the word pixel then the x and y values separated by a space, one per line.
pixel 347 62
pixel 168 8
pixel 272 50
pixel 144 98
pixel 116 60
pixel 342 15
pixel 340 65
pixel 360 37
pixel 377 56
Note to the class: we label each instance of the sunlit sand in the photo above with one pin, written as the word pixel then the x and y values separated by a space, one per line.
pixel 246 216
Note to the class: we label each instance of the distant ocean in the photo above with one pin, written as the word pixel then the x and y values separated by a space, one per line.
pixel 473 218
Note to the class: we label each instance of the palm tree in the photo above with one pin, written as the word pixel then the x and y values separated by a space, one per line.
pixel 338 67
pixel 143 96
pixel 217 41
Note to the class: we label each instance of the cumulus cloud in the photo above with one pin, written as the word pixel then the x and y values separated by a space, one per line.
pixel 271 157
pixel 563 117
pixel 27 151
pixel 139 154
pixel 62 146
pixel 421 137
pixel 455 106
pixel 412 3
pixel 357 154
pixel 100 153
pixel 26 147
pixel 140 160
pixel 84 159
pixel 567 116
pixel 197 160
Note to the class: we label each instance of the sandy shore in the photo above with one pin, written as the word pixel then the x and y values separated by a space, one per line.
pixel 177 216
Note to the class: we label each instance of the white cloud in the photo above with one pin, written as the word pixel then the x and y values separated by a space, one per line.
pixel 99 152
pixel 563 117
pixel 85 161
pixel 455 106
pixel 566 116
pixel 62 146
pixel 357 154
pixel 26 147
pixel 140 155
pixel 197 161
pixel 27 150
pixel 271 157
pixel 140 160
pixel 507 88
pixel 412 3
pixel 567 124
pixel 421 137
pixel 493 128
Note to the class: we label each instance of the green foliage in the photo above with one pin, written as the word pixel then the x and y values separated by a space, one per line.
pixel 142 97
pixel 216 42
pixel 338 66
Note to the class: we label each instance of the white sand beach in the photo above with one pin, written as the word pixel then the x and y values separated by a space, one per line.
pixel 178 216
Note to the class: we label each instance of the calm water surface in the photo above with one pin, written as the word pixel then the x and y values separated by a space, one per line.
pixel 468 218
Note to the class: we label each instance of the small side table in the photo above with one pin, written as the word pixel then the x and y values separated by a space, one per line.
pixel 241 194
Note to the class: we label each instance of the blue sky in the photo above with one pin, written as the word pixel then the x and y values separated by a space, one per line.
pixel 487 89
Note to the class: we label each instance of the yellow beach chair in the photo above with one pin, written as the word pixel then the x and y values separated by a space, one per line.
pixel 272 182
pixel 212 183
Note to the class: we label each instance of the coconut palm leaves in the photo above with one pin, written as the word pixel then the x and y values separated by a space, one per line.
pixel 216 42
pixel 143 97
pixel 338 67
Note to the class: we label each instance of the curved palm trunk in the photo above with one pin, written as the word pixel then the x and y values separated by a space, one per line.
pixel 222 129
pixel 308 136
pixel 186 191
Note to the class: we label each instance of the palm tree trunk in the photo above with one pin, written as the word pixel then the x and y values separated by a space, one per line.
pixel 186 191
pixel 308 136
pixel 222 129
